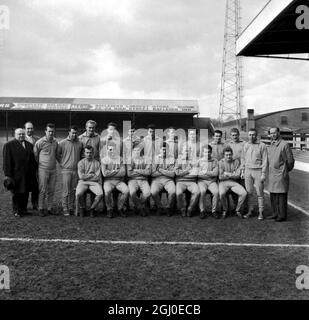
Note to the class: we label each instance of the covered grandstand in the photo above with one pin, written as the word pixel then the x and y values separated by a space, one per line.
pixel 65 111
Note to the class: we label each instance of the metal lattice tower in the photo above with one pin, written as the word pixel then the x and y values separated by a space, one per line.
pixel 231 78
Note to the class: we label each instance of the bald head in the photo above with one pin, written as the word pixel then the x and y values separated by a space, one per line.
pixel 29 128
pixel 20 134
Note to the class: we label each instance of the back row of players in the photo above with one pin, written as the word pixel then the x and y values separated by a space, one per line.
pixel 151 165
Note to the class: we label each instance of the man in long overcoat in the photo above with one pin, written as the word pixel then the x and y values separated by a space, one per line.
pixel 281 161
pixel 19 168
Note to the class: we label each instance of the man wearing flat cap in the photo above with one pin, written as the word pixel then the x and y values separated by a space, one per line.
pixel 19 168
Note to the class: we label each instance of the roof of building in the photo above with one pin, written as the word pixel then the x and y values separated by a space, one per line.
pixel 278 29
pixel 100 105
pixel 260 116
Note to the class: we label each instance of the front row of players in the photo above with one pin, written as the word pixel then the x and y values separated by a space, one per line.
pixel 180 179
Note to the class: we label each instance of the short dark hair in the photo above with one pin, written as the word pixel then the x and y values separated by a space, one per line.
pixel 112 124
pixel 227 149
pixel 74 127
pixel 208 146
pixel 50 125
pixel 219 131
pixel 151 126
pixel 253 129
pixel 278 129
pixel 89 147
pixel 27 123
pixel 234 130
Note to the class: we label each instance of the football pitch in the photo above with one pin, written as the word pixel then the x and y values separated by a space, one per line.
pixel 58 257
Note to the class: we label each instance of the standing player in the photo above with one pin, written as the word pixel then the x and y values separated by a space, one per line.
pixel 207 180
pixel 186 178
pixel 138 172
pixel 163 179
pixel 45 151
pixel 193 152
pixel 229 173
pixel 281 162
pixel 171 143
pixel 111 136
pixel 255 161
pixel 89 174
pixel 114 172
pixel 69 154
pixel 217 145
pixel 237 145
pixel 128 143
pixel 30 137
pixel 91 138
pixel 151 144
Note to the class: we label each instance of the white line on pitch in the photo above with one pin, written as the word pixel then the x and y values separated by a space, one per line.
pixel 294 206
pixel 155 243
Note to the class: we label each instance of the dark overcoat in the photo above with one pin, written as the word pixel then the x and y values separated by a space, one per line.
pixel 20 165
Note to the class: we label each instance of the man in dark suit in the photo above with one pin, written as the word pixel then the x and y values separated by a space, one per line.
pixel 20 167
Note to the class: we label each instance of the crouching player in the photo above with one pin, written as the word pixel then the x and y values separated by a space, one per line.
pixel 138 172
pixel 207 180
pixel 89 174
pixel 163 179
pixel 114 173
pixel 186 176
pixel 229 173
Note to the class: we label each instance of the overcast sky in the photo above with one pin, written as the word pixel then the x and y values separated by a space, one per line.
pixel 164 49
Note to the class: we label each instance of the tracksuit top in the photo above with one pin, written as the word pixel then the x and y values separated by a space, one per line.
pixel 237 148
pixel 167 164
pixel 184 165
pixel 139 164
pixel 217 150
pixel 46 153
pixel 69 153
pixel 86 166
pixel 231 167
pixel 93 141
pixel 108 164
pixel 255 156
pixel 208 169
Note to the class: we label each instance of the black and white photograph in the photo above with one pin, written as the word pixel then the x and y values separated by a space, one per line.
pixel 154 151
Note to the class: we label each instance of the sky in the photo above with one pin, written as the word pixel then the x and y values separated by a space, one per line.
pixel 147 49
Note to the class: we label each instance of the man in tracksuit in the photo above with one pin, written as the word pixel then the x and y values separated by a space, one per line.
pixel 237 145
pixel 229 174
pixel 110 136
pixel 151 144
pixel 69 154
pixel 217 145
pixel 163 179
pixel 255 162
pixel 138 172
pixel 89 173
pixel 91 138
pixel 186 179
pixel 114 172
pixel 128 143
pixel 45 151
pixel 208 172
